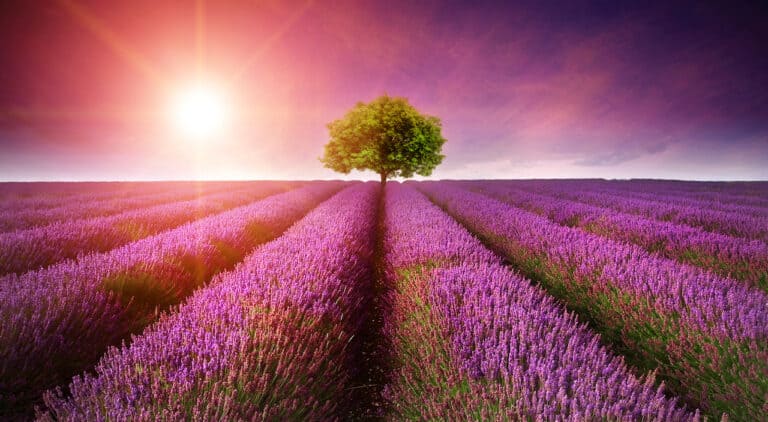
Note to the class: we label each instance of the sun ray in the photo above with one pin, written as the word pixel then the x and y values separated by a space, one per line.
pixel 76 114
pixel 269 42
pixel 200 37
pixel 122 49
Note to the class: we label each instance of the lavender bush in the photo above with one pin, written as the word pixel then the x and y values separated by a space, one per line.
pixel 705 334
pixel 725 255
pixel 25 217
pixel 728 223
pixel 58 321
pixel 24 250
pixel 267 341
pixel 39 196
pixel 474 340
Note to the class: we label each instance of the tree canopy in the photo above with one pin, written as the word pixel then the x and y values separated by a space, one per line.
pixel 388 136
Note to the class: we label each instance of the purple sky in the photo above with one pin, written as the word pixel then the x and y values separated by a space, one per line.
pixel 578 89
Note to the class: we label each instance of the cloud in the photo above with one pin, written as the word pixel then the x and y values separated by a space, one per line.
pixel 623 154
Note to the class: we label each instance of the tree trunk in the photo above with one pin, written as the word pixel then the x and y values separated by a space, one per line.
pixel 383 179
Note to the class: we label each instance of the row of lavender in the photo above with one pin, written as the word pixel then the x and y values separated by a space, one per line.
pixel 720 201
pixel 475 341
pixel 37 191
pixel 58 321
pixel 42 195
pixel 24 250
pixel 24 217
pixel 706 335
pixel 749 225
pixel 267 341
pixel 725 255
pixel 695 200
pixel 274 339
pixel 747 193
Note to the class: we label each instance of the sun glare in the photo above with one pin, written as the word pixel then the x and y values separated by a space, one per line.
pixel 199 112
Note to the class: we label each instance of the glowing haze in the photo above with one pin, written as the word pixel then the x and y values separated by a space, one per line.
pixel 94 90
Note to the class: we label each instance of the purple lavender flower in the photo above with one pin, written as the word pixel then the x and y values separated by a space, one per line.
pixel 267 341
pixel 474 340
pixel 58 321
pixel 23 250
pixel 705 334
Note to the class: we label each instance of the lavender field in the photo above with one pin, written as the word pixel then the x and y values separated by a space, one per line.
pixel 329 300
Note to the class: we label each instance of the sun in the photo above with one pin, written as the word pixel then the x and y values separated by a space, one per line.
pixel 199 112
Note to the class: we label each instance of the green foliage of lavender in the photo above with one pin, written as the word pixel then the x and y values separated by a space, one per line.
pixel 271 340
pixel 705 334
pixel 475 341
pixel 459 300
pixel 47 244
pixel 727 256
pixel 58 321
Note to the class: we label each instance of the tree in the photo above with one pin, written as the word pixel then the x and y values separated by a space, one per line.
pixel 388 136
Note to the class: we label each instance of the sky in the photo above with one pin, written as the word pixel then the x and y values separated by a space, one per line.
pixel 524 89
